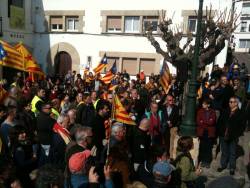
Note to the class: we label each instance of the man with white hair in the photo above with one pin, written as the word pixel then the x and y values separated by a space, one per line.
pixel 117 139
pixel 118 133
pixel 72 117
pixel 76 157
pixel 61 138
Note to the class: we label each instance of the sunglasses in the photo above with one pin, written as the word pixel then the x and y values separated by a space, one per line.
pixel 47 107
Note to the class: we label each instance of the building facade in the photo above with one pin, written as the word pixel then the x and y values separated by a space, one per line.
pixel 241 36
pixel 16 23
pixel 70 35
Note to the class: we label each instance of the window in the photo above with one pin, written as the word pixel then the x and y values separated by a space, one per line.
pixel 147 65
pixel 130 65
pixel 72 23
pixel 243 27
pixel 56 23
pixel 245 9
pixel 244 43
pixel 150 21
pixel 114 23
pixel 192 20
pixel 132 24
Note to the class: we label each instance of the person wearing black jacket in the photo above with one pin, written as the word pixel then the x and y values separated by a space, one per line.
pixel 141 143
pixel 171 123
pixel 230 127
pixel 138 107
pixel 85 111
pixel 44 131
pixel 227 91
pixel 102 109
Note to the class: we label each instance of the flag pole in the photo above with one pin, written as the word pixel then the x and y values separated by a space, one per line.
pixel 112 118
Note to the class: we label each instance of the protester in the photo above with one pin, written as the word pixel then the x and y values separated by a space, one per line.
pixel 206 131
pixel 231 125
pixel 141 143
pixel 189 174
pixel 155 128
pixel 171 126
pixel 72 121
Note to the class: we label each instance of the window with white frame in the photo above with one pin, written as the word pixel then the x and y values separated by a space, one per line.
pixel 245 9
pixel 192 21
pixel 243 27
pixel 150 21
pixel 114 24
pixel 132 24
pixel 56 23
pixel 244 43
pixel 72 23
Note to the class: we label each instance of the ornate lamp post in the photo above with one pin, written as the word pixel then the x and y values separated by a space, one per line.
pixel 188 125
pixel 1 26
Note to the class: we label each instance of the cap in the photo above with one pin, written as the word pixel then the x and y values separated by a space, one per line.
pixel 77 161
pixel 162 168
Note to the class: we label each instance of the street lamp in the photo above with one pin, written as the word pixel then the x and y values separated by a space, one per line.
pixel 188 125
pixel 1 26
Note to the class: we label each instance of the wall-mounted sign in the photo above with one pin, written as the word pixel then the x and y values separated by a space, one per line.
pixel 17 17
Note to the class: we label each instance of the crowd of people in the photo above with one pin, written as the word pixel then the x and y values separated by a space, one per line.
pixel 60 132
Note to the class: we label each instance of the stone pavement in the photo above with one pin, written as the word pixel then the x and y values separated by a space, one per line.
pixel 242 161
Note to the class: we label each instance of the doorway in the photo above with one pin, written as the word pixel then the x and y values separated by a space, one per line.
pixel 63 63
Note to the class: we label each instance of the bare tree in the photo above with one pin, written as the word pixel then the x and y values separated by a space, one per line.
pixel 213 36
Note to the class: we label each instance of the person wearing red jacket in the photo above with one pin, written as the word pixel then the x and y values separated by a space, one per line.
pixel 206 131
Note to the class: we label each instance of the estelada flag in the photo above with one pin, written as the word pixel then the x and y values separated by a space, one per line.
pixel 110 74
pixel 30 64
pixel 165 77
pixel 120 114
pixel 10 57
pixel 101 65
pixel 113 85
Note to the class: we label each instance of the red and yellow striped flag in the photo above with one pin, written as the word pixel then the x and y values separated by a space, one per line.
pixel 165 79
pixel 110 74
pixel 101 65
pixel 112 87
pixel 120 114
pixel 30 64
pixel 13 58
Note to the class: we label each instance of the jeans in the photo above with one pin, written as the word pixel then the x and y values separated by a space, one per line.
pixel 228 153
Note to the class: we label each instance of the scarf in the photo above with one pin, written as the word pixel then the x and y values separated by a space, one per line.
pixel 64 133
pixel 154 125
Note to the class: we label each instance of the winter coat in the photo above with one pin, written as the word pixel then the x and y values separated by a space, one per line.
pixel 231 126
pixel 173 117
pixel 186 165
pixel 85 114
pixel 45 128
pixel 206 120
pixel 141 144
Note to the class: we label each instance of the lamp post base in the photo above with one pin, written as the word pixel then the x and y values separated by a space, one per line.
pixel 188 128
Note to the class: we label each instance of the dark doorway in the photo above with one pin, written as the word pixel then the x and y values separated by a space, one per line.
pixel 63 63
